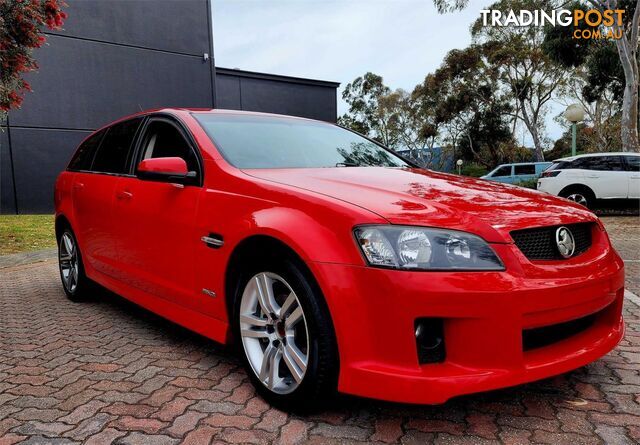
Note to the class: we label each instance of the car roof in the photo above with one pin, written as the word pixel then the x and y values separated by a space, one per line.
pixel 525 163
pixel 595 155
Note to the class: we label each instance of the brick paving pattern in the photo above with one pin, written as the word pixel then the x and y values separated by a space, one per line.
pixel 106 371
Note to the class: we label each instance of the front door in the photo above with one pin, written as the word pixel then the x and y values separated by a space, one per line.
pixel 156 220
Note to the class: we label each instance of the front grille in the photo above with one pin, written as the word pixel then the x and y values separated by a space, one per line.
pixel 540 243
pixel 548 335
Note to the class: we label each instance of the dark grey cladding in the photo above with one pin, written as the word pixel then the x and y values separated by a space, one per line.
pixel 114 59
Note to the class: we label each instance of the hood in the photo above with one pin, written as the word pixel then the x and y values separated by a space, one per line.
pixel 423 197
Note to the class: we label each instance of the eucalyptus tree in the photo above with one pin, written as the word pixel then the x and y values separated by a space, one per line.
pixel 598 53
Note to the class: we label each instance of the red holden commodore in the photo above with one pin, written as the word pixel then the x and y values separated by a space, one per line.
pixel 332 263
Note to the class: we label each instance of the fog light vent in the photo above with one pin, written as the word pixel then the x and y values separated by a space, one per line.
pixel 430 340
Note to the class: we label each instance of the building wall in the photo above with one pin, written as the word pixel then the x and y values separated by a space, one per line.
pixel 243 90
pixel 112 59
pixel 116 58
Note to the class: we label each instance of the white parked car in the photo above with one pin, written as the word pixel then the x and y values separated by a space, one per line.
pixel 585 178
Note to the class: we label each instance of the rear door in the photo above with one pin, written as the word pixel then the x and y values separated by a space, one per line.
pixel 633 175
pixel 606 175
pixel 93 193
pixel 524 172
pixel 156 220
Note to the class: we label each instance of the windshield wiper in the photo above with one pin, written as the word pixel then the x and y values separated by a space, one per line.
pixel 347 164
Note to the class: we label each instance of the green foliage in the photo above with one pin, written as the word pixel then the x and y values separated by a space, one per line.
pixel 363 97
pixel 587 140
pixel 474 169
pixel 530 184
pixel 450 5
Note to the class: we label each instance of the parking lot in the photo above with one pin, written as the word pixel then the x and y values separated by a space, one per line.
pixel 105 371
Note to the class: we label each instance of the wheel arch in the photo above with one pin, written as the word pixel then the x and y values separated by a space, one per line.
pixel 245 252
pixel 60 223
pixel 577 187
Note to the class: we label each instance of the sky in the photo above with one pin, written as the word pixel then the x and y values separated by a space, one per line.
pixel 339 40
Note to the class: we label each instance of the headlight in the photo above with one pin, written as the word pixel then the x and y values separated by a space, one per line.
pixel 403 247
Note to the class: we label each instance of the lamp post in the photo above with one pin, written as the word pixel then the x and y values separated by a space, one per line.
pixel 574 114
pixel 459 165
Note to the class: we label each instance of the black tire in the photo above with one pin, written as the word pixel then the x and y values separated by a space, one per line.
pixel 80 288
pixel 319 384
pixel 580 194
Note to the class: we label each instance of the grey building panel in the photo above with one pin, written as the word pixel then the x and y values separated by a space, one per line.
pixel 228 92
pixel 310 101
pixel 7 197
pixel 271 93
pixel 115 58
pixel 170 25
pixel 42 155
pixel 98 83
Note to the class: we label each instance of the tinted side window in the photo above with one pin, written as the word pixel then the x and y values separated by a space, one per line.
pixel 503 171
pixel 600 163
pixel 163 140
pixel 525 169
pixel 115 149
pixel 633 163
pixel 83 157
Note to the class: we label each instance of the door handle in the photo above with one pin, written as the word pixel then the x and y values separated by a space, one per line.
pixel 124 195
pixel 78 185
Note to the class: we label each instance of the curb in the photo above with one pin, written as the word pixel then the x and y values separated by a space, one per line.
pixel 19 259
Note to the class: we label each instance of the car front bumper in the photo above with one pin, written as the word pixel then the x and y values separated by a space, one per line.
pixel 484 315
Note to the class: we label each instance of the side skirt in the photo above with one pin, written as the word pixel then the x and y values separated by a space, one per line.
pixel 205 325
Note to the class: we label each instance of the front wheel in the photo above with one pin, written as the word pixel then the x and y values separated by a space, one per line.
pixel 287 340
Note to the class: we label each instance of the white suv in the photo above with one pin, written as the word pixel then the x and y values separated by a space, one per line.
pixel 586 178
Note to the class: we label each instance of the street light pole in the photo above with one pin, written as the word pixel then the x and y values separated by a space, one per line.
pixel 574 114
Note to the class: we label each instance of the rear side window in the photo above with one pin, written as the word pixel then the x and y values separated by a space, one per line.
pixel 599 163
pixel 633 163
pixel 505 170
pixel 560 165
pixel 114 152
pixel 83 157
pixel 529 169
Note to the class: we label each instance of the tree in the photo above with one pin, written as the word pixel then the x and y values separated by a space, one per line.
pixel 365 114
pixel 528 76
pixel 627 47
pixel 461 94
pixel 577 52
pixel 21 24
pixel 602 111
pixel 392 118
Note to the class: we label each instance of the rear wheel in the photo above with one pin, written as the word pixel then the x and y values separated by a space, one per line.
pixel 285 337
pixel 74 281
pixel 580 195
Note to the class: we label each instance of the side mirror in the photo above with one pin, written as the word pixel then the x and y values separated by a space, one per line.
pixel 165 170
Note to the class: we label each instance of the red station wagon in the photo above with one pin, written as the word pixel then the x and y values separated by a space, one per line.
pixel 332 263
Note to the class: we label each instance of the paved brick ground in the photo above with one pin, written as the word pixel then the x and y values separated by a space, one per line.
pixel 106 371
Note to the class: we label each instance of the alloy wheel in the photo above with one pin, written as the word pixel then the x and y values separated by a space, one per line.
pixel 68 259
pixel 577 197
pixel 274 332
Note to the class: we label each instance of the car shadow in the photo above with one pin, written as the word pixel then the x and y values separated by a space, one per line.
pixel 559 391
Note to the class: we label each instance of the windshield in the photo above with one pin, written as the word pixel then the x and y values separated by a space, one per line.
pixel 249 141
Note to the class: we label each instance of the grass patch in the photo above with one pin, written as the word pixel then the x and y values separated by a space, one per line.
pixel 22 233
